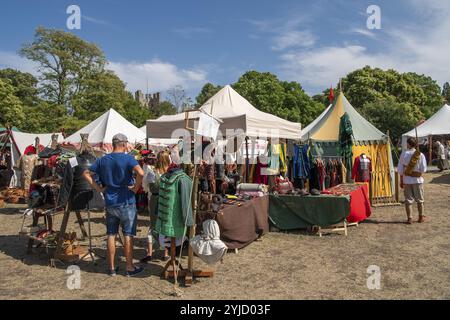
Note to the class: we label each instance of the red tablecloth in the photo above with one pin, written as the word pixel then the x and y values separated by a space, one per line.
pixel 360 208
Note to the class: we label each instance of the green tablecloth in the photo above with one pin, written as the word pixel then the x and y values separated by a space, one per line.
pixel 296 212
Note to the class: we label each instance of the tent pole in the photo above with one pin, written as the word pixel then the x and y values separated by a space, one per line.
pixel 247 164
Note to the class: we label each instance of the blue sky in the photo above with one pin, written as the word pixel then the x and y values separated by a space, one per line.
pixel 189 42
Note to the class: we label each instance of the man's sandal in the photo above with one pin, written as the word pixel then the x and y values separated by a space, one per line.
pixel 422 219
pixel 409 221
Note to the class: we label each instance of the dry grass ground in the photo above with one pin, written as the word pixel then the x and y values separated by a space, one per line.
pixel 414 262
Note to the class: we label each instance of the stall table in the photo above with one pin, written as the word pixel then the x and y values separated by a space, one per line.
pixel 360 208
pixel 289 212
pixel 241 224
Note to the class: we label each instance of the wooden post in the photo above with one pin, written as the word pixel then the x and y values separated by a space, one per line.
pixel 430 149
pixel 397 187
pixel 194 199
pixel 173 258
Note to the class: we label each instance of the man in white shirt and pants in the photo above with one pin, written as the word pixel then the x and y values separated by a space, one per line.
pixel 442 159
pixel 411 179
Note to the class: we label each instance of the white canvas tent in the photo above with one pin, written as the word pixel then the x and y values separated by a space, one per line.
pixel 437 125
pixel 235 112
pixel 159 142
pixel 20 141
pixel 102 130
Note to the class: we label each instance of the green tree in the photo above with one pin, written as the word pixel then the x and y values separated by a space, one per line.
pixel 135 113
pixel 70 125
pixel 372 84
pixel 284 99
pixel 397 117
pixel 206 93
pixel 25 85
pixel 164 108
pixel 64 61
pixel 11 108
pixel 446 92
pixel 429 98
pixel 102 91
pixel 40 121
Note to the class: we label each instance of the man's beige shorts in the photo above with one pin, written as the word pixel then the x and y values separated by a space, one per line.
pixel 414 192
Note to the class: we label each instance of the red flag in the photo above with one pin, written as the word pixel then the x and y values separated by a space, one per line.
pixel 331 96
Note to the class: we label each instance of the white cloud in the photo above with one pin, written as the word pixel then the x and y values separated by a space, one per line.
pixel 364 32
pixel 292 39
pixel 14 61
pixel 324 66
pixel 160 75
pixel 287 33
pixel 421 47
pixel 94 20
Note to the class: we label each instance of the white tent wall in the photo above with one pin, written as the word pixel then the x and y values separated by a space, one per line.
pixel 102 130
pixel 437 125
pixel 20 141
pixel 235 112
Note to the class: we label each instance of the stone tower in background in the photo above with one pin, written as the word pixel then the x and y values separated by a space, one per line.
pixel 150 101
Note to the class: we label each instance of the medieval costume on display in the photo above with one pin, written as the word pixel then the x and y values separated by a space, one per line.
pixel 174 204
pixel 346 144
pixel 362 169
pixel 26 165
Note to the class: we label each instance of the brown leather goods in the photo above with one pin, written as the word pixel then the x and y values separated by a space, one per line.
pixel 414 174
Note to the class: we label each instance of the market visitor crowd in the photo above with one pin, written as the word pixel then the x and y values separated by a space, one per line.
pixel 120 176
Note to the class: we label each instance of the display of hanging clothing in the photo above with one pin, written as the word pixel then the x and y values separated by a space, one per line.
pixel 208 246
pixel 283 159
pixel 220 173
pixel 208 177
pixel 274 159
pixel 301 162
pixel 333 176
pixel 260 173
pixel 362 169
pixel 174 203
pixel 325 173
pixel 26 165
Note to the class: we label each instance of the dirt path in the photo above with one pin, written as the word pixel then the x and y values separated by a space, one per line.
pixel 414 262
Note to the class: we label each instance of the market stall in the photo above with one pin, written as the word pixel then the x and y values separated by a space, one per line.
pixel 18 144
pixel 436 128
pixel 102 129
pixel 347 202
pixel 241 222
pixel 326 138
pixel 58 188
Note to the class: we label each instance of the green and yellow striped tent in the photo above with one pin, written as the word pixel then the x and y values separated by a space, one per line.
pixel 323 133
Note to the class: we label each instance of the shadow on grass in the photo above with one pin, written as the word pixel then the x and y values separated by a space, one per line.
pixel 442 179
pixel 14 246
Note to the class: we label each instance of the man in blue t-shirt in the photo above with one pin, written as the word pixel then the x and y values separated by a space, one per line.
pixel 115 172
